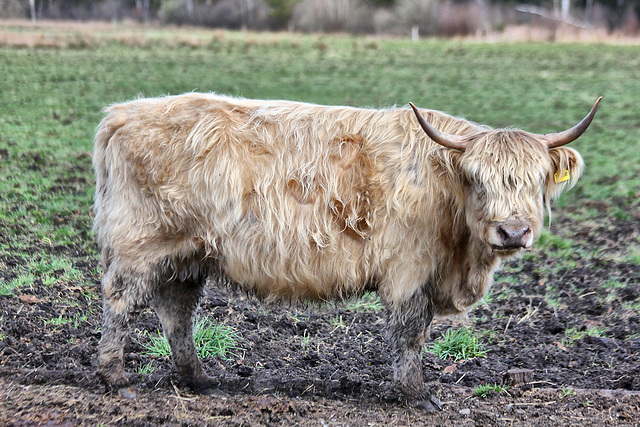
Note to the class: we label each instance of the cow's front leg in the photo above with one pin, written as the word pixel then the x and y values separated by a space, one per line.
pixel 408 327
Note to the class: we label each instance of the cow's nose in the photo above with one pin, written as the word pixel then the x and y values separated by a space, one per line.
pixel 514 236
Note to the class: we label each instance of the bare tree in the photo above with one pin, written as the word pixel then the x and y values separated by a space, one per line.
pixel 32 9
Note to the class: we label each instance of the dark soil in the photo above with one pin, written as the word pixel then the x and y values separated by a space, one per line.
pixel 331 365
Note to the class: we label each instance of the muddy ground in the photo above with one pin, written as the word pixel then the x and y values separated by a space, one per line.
pixel 330 365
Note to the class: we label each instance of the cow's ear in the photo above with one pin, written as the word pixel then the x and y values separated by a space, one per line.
pixel 566 168
pixel 446 163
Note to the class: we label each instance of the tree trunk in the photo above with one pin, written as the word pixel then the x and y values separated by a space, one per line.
pixel 32 9
pixel 566 10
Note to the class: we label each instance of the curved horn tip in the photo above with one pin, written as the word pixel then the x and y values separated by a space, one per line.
pixel 597 102
pixel 562 138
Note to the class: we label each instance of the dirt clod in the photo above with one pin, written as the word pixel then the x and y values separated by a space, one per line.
pixel 518 376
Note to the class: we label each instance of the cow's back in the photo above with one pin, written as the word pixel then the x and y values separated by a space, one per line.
pixel 284 200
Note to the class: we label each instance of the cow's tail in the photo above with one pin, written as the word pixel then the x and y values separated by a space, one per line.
pixel 104 161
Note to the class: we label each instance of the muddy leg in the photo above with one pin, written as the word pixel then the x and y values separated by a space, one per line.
pixel 408 327
pixel 175 303
pixel 117 309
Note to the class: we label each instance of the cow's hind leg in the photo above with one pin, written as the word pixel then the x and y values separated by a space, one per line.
pixel 175 303
pixel 119 304
pixel 408 327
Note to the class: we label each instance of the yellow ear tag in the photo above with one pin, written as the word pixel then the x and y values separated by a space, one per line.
pixel 561 177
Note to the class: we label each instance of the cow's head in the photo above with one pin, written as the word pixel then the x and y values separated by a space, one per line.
pixel 502 176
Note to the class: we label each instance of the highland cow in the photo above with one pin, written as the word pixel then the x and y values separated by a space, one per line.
pixel 294 201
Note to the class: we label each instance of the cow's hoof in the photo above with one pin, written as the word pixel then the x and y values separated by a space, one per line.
pixel 207 387
pixel 115 383
pixel 428 402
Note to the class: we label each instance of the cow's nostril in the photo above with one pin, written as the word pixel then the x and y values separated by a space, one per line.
pixel 513 236
pixel 502 233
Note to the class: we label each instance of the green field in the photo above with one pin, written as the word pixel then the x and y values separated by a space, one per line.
pixel 51 100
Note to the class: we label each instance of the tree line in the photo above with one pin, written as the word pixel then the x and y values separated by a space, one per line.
pixel 430 17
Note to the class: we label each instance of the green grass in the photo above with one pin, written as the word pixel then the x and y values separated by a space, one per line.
pixel 633 306
pixel 305 341
pixel 551 241
pixel 42 269
pixel 553 301
pixel 370 301
pixel 50 269
pixel 633 256
pixel 76 321
pixel 573 334
pixel 567 392
pixel 212 340
pixel 458 344
pixel 9 288
pixel 155 344
pixel 146 369
pixel 556 245
pixel 484 390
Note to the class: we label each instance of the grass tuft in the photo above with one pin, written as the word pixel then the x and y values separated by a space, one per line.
pixel 23 280
pixel 211 340
pixel 156 345
pixel 483 390
pixel 573 334
pixel 75 320
pixel 214 339
pixel 146 369
pixel 460 344
pixel 367 302
pixel 566 392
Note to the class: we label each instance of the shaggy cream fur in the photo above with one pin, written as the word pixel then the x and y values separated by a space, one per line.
pixel 301 201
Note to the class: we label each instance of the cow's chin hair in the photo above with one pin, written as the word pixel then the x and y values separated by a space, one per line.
pixel 506 252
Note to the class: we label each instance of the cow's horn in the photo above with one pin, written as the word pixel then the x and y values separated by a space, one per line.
pixel 554 140
pixel 456 142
